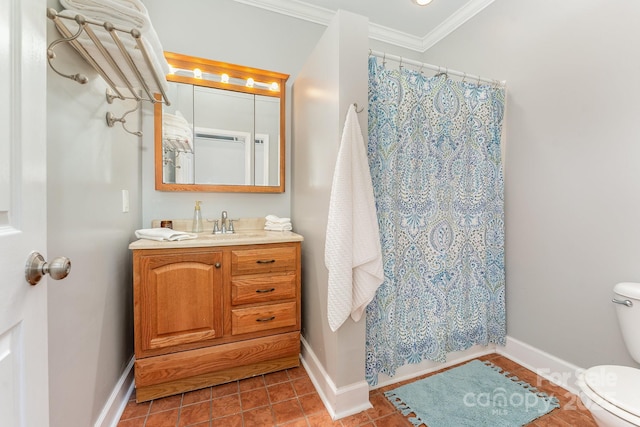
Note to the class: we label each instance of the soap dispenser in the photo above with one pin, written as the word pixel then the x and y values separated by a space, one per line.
pixel 197 218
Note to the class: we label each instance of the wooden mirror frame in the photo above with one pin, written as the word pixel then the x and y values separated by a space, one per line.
pixel 180 61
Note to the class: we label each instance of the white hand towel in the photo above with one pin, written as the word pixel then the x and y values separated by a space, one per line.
pixel 277 219
pixel 353 254
pixel 278 227
pixel 161 234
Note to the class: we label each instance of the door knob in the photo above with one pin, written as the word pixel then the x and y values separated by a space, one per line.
pixel 37 267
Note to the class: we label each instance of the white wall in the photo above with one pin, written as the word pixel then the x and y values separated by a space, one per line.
pixel 333 77
pixel 227 31
pixel 90 312
pixel 572 178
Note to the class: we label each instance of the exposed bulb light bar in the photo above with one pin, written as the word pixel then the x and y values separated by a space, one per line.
pixel 225 78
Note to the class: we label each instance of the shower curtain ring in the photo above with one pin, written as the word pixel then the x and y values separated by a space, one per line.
pixel 464 77
pixel 400 63
pixel 384 58
pixel 421 67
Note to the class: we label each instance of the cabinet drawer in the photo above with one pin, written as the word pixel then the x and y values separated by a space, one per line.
pixel 263 289
pixel 266 260
pixel 262 318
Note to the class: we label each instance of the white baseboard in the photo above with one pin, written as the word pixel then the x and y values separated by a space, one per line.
pixel 340 402
pixel 552 368
pixel 113 408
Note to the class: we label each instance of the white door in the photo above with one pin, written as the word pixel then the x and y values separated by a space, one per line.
pixel 24 393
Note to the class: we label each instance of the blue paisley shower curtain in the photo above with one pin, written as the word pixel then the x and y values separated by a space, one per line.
pixel 435 159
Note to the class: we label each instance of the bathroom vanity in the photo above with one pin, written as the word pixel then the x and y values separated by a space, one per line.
pixel 214 309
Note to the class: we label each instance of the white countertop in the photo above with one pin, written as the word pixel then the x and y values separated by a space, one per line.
pixel 205 239
pixel 242 236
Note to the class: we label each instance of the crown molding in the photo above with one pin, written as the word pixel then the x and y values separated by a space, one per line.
pixel 320 15
pixel 449 25
pixel 295 9
pixel 395 37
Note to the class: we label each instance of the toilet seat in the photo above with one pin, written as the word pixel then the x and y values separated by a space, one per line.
pixel 618 387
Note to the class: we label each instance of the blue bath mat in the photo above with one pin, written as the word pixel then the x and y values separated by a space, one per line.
pixel 472 395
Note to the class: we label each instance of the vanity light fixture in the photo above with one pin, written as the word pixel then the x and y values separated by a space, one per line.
pixel 422 2
pixel 223 78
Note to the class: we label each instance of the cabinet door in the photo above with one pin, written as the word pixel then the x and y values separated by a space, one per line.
pixel 180 297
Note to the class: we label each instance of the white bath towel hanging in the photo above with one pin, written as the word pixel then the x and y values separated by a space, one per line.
pixel 352 249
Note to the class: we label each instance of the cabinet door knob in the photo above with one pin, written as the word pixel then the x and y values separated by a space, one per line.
pixel 217 265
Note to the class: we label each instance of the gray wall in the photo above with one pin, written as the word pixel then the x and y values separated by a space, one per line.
pixel 336 71
pixel 90 312
pixel 572 175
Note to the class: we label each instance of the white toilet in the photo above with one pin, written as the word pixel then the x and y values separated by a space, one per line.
pixel 612 393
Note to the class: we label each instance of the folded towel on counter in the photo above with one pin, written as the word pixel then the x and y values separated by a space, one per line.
pixel 277 220
pixel 275 223
pixel 278 227
pixel 166 234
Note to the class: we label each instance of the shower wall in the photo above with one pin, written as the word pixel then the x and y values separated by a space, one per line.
pixel 333 76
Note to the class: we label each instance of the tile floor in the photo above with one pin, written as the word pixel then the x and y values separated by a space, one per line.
pixel 288 398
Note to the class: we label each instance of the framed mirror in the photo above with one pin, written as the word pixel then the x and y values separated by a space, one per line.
pixel 224 129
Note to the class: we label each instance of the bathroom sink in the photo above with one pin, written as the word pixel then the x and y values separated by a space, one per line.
pixel 244 235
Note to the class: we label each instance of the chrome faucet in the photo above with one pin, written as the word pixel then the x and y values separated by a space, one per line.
pixel 223 222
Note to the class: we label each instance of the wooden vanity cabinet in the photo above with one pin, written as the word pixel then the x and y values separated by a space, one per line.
pixel 209 315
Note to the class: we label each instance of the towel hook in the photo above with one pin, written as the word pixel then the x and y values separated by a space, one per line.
pixel 80 78
pixel 112 119
pixel 356 107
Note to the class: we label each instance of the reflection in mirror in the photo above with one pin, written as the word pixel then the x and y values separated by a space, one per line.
pixel 224 129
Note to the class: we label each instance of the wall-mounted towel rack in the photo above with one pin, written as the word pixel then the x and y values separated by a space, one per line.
pixel 117 63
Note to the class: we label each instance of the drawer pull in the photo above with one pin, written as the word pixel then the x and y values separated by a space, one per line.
pixel 264 291
pixel 266 319
pixel 265 261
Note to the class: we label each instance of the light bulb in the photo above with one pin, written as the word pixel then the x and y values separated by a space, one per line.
pixel 250 82
pixel 422 2
pixel 197 73
pixel 274 86
pixel 224 78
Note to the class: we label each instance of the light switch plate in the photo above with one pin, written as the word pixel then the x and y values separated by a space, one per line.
pixel 125 201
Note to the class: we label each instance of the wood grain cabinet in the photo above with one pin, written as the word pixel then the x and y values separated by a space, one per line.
pixel 210 315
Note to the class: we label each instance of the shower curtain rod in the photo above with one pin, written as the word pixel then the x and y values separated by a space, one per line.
pixel 447 71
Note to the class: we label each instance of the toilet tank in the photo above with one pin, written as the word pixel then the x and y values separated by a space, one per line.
pixel 627 297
